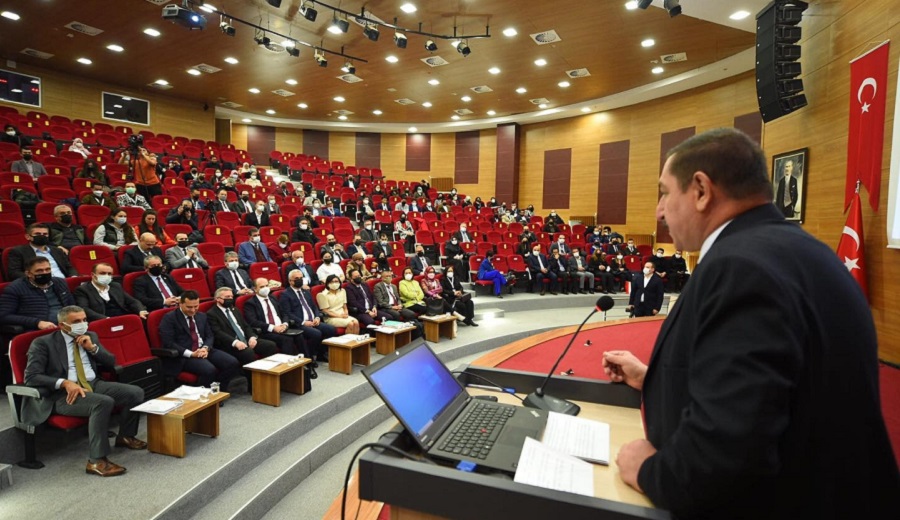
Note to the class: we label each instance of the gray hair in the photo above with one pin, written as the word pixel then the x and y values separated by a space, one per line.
pixel 151 257
pixel 230 254
pixel 222 290
pixel 63 315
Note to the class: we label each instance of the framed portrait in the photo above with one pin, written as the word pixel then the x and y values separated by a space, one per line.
pixel 789 172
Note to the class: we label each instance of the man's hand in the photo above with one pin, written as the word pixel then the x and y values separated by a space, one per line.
pixel 544 270
pixel 655 312
pixel 44 325
pixel 630 458
pixel 200 353
pixel 143 314
pixel 171 300
pixel 397 307
pixel 309 323
pixel 245 290
pixel 281 328
pixel 64 250
pixel 73 391
pixel 84 341
pixel 240 345
pixel 622 366
pixel 629 308
pixel 252 343
pixel 372 313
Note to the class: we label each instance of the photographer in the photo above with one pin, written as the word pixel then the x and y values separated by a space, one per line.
pixel 183 214
pixel 144 169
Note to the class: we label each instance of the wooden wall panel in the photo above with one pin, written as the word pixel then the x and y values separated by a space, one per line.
pixel 751 124
pixel 260 142
pixel 418 152
pixel 507 170
pixel 289 140
pixel 315 142
pixel 368 150
pixel 223 130
pixel 466 163
pixel 342 147
pixel 667 141
pixel 612 195
pixel 239 136
pixel 557 178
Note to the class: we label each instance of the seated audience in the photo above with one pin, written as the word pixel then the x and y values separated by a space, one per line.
pixel 538 266
pixel 431 286
pixel 333 302
pixel 559 266
pixel 131 198
pixel 361 302
pixel 103 298
pixel 133 259
pixel 259 217
pixel 38 236
pixel 272 207
pixel 411 293
pixel 266 315
pixel 184 254
pixel 99 197
pixel 299 264
pixel 253 250
pixel 33 302
pixel 420 262
pixel 233 335
pixel 405 231
pixel 679 272
pixel 358 246
pixel 555 218
pixel 79 147
pixel 486 271
pixel 578 268
pixel 597 265
pixel 334 248
pixel 279 250
pixel 156 289
pixel 329 267
pixel 183 214
pixel 662 265
pixel 234 276
pixel 150 224
pixel 460 301
pixel 28 165
pixel 115 232
pixel 631 249
pixel 382 251
pixel 387 297
pixel 358 262
pixel 300 307
pixel 12 135
pixel 304 233
pixel 456 257
pixel 64 233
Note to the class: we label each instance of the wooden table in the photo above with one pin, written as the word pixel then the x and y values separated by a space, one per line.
pixel 389 339
pixel 268 383
pixel 342 356
pixel 437 326
pixel 166 434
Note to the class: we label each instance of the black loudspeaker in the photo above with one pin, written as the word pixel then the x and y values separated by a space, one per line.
pixel 778 89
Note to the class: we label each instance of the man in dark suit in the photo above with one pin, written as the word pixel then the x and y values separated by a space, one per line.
pixel 156 289
pixel 560 244
pixel 761 397
pixel 103 298
pixel 63 366
pixel 678 271
pixel 38 236
pixel 133 258
pixel 233 276
pixel 539 267
pixel 361 302
pixel 299 306
pixel 265 315
pixel 335 249
pixel 184 254
pixel 368 233
pixel 299 264
pixel 646 292
pixel 30 302
pixel 419 262
pixel 304 232
pixel 463 235
pixel 222 203
pixel 188 332
pixel 245 205
pixel 260 217
pixel 631 249
pixel 64 233
pixel 358 246
pixel 382 251
pixel 786 194
pixel 233 335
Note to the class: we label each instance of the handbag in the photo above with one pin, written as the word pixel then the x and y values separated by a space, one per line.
pixel 434 306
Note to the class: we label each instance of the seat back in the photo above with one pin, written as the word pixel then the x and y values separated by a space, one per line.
pixel 220 234
pixel 267 270
pixel 123 337
pixel 88 215
pixel 11 212
pixel 213 253
pixel 192 278
pixel 83 258
pixel 12 233
pixel 153 320
pixel 18 352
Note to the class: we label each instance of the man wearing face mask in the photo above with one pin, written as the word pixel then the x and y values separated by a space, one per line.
pixel 103 298
pixel 131 197
pixel 98 197
pixel 183 214
pixel 578 268
pixel 382 251
pixel 333 248
pixel 560 244
pixel 272 208
pixel 329 267
pixel 304 233
pixel 368 232
pixel 298 263
pixel 662 267
pixel 300 307
pixel 555 218
pixel 253 250
pixel 463 234
pixel 38 236
pixel 64 367
pixel 615 247
pixel 266 315
pixel 259 217
pixel 679 272
pixel 646 293
pixel 133 259
pixel 234 276
pixel 539 267
pixel 245 205
pixel 361 303
pixel 358 246
pixel 64 233
pixel 32 302
pixel 28 165
pixel 11 135
pixel 222 203
pixel 184 254
pixel 156 289
pixel 420 262
pixel 456 257
pixel 631 249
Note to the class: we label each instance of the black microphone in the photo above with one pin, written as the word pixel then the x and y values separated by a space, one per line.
pixel 538 399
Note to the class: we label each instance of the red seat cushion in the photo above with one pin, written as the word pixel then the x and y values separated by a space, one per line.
pixel 188 378
pixel 66 422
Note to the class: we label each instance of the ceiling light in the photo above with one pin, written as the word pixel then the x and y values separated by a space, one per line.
pixel 226 28
pixel 342 117
pixel 320 58
pixel 109 112
pixel 740 15
pixel 543 106
pixel 392 59
pixel 408 8
pixel 521 90
pixel 270 112
pixel 194 72
pixel 540 62
pixel 291 82
pixel 253 90
pixel 338 25
pixel 463 48
pixel 586 109
pixel 339 99
pixel 494 70
pixel 371 32
pixel 304 106
pixel 509 32
pixel 631 5
pixel 151 32
pixel 288 43
pixel 19 91
pixel 564 84
pixel 657 70
pixel 377 112
pixel 308 12
pixel 491 113
pixel 427 104
pixel 349 68
pixel 84 61
pixel 400 40
pixel 466 98
pixel 125 98
pixel 10 15
pixel 115 48
pixel 649 42
pixel 430 46
pixel 161 82
pixel 673 6
pixel 434 81
pixel 231 60
pixel 209 8
pixel 454 117
pixel 413 129
pixel 245 120
pixel 292 51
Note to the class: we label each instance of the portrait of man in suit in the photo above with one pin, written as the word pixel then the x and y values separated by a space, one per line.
pixel 788 170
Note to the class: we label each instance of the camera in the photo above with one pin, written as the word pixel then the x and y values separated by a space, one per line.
pixel 135 141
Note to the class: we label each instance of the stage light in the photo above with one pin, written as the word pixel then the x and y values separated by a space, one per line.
pixel 183 17
pixel 227 28
pixel 400 40
pixel 320 58
pixel 262 39
pixel 371 32
pixel 338 25
pixel 349 68
pixel 463 48
pixel 308 12
pixel 293 51
pixel 673 7
pixel 430 46
pixel 643 4
pixel 274 3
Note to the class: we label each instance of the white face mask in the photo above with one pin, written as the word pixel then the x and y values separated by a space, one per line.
pixel 78 329
pixel 646 271
pixel 255 239
pixel 576 254
pixel 264 292
pixel 104 279
pixel 462 230
pixel 677 255
pixel 260 209
pixel 121 221
pixel 299 261
pixel 431 276
pixel 13 133
pixel 334 286
pixel 450 275
pixel 304 226
pixel 536 253
pixel 232 265
pixel 408 277
pixel 98 193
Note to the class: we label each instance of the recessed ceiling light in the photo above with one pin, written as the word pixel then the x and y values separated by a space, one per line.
pixel 339 99
pixel 540 62
pixel 253 90
pixel 564 84
pixel 392 59
pixel 84 61
pixel 454 117
pixel 209 8
pixel 194 72
pixel 231 60
pixel 413 129
pixel 115 48
pixel 245 120
pixel 740 15
pixel 466 98
pixel 291 81
pixel 586 109
pixel 377 112
pixel 494 70
pixel 521 90
pixel 509 32
pixel 342 117
pixel 491 113
pixel 408 8
pixel 10 15
pixel 109 112
pixel 631 6
pixel 543 106
pixel 649 42
pixel 304 106
pixel 270 112
pixel 427 104
pixel 434 81
pixel 657 70
pixel 124 98
pixel 151 32
pixel 161 82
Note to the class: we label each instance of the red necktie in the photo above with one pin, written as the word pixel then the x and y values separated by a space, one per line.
pixel 195 338
pixel 269 313
pixel 162 288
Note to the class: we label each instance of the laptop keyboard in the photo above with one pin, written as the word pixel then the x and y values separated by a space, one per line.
pixel 475 434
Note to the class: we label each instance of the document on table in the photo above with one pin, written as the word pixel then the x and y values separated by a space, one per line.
pixel 544 467
pixel 191 393
pixel 263 364
pixel 346 339
pixel 582 438
pixel 157 406
pixel 280 358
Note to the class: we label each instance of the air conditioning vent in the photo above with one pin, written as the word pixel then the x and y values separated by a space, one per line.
pixel 435 61
pixel 231 104
pixel 482 89
pixel 539 101
pixel 350 78
pixel 343 112
pixel 34 53
pixel 405 101
pixel 283 93
pixel 546 37
pixel 274 47
pixel 83 28
pixel 673 58
pixel 578 73
pixel 463 111
pixel 158 86
pixel 207 69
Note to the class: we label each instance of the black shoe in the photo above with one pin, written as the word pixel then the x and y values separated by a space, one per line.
pixel 554 293
pixel 315 364
pixel 313 374
pixel 470 323
pixel 500 296
pixel 464 323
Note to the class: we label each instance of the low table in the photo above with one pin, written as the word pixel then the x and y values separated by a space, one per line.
pixel 388 339
pixel 166 434
pixel 342 356
pixel 268 383
pixel 437 326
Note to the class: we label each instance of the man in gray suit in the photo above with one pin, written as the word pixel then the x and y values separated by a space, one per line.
pixel 63 367
pixel 184 254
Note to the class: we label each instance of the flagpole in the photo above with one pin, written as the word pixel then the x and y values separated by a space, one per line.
pixel 870 51
pixel 858 184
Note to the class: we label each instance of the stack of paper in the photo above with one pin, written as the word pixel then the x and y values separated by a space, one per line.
pixel 281 358
pixel 191 393
pixel 157 406
pixel 263 364
pixel 582 438
pixel 544 467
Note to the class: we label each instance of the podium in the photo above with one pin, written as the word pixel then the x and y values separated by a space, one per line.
pixel 420 490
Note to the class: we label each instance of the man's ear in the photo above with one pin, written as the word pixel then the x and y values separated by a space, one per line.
pixel 701 189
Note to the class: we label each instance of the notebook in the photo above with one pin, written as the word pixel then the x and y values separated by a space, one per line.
pixel 441 416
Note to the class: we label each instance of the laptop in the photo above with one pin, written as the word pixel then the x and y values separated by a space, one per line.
pixel 445 421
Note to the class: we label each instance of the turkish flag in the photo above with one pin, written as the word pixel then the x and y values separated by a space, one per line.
pixel 851 248
pixel 865 142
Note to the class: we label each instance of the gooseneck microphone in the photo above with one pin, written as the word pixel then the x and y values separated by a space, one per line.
pixel 538 399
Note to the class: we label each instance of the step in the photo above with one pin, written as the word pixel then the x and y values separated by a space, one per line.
pixel 488 313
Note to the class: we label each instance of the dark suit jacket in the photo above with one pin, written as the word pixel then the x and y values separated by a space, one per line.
pixel 762 394
pixel 292 307
pixel 225 279
pixel 87 297
pixel 378 250
pixel 133 259
pixel 533 264
pixel 20 255
pixel 310 272
pixel 355 302
pixel 653 294
pixel 221 326
pixel 263 220
pixel 417 265
pixel 257 317
pixel 48 362
pixel 353 249
pixel 459 236
pixel 147 292
pixel 24 305
pixel 174 333
pixel 788 210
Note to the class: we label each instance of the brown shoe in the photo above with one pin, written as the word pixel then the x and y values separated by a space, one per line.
pixel 104 468
pixel 132 443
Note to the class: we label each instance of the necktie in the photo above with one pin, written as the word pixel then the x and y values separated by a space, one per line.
pixel 162 288
pixel 237 281
pixel 365 298
pixel 195 338
pixel 146 253
pixel 79 368
pixel 269 313
pixel 234 326
pixel 259 254
pixel 390 290
pixel 225 206
pixel 190 260
pixel 307 311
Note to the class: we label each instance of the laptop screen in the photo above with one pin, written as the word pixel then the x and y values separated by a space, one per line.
pixel 416 386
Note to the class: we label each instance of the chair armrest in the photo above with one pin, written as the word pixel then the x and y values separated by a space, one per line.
pixel 24 391
pixel 164 352
pixel 21 391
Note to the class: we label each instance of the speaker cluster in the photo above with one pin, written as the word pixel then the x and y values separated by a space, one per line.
pixel 779 89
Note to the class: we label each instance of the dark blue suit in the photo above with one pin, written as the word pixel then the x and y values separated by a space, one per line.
pixel 247 253
pixel 174 333
pixel 257 317
pixel 290 304
pixel 225 278
pixel 356 304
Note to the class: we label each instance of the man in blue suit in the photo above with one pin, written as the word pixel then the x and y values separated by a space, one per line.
pixel 299 306
pixel 253 250
pixel 188 332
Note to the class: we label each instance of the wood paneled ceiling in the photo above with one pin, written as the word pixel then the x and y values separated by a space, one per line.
pixel 601 36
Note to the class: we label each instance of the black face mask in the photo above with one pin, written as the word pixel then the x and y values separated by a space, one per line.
pixel 66 219
pixel 420 253
pixel 327 260
pixel 27 157
pixel 357 281
pixel 297 282
pixel 228 304
pixel 43 279
pixel 245 197
pixel 155 270
pixel 331 243
pixel 358 242
pixel 183 243
pixel 40 240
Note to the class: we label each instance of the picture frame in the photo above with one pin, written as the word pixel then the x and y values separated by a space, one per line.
pixel 794 166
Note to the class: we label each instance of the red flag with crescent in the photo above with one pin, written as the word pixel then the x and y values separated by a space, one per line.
pixel 865 142
pixel 851 248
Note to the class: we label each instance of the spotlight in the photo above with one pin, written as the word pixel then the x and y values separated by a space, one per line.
pixel 643 4
pixel 184 17
pixel 463 48
pixel 293 51
pixel 371 32
pixel 262 39
pixel 673 7
pixel 338 25
pixel 274 3
pixel 400 40
pixel 227 28
pixel 320 58
pixel 430 46
pixel 349 68
pixel 309 13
